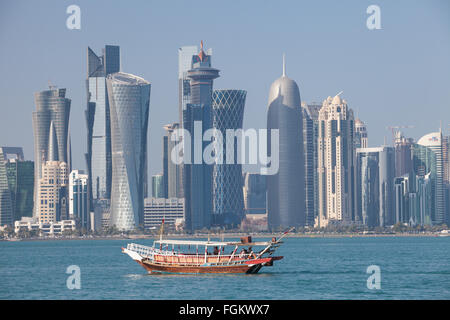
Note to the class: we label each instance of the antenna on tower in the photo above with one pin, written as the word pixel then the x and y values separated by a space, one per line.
pixel 284 65
pixel 50 85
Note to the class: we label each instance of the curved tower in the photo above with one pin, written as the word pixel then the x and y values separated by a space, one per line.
pixel 129 100
pixel 286 189
pixel 228 199
pixel 52 111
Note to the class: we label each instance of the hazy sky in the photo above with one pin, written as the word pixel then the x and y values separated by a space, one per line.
pixel 399 75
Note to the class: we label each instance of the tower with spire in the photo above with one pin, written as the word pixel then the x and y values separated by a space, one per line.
pixel 197 177
pixel 286 188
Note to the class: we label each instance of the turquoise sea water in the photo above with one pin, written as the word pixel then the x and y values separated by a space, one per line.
pixel 312 268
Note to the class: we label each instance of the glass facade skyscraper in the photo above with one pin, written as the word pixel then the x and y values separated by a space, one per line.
pixel 98 156
pixel 403 157
pixel 158 186
pixel 375 186
pixel 6 208
pixel 184 84
pixel 20 175
pixel 78 198
pixel 129 100
pixel 428 159
pixel 361 139
pixel 173 170
pixel 228 200
pixel 310 136
pixel 286 188
pixel 197 177
pixel 50 123
pixel 21 183
pixel 254 193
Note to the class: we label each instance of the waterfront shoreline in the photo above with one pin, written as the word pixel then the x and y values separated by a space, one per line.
pixel 227 236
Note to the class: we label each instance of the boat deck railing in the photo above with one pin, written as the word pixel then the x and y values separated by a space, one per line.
pixel 142 250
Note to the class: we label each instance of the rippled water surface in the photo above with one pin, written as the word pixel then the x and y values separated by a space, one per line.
pixel 312 268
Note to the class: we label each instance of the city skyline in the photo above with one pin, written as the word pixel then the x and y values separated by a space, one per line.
pixel 370 99
pixel 173 150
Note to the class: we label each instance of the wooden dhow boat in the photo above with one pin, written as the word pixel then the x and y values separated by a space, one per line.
pixel 191 256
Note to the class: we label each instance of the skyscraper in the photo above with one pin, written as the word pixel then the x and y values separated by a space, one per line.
pixel 403 156
pixel 254 193
pixel 185 55
pixel 158 186
pixel 361 140
pixel 98 121
pixel 428 159
pixel 197 177
pixel 310 135
pixel 52 200
pixel 165 163
pixel 20 175
pixel 402 188
pixel 228 201
pixel 184 84
pixel 286 188
pixel 129 101
pixel 6 208
pixel 173 169
pixel 375 186
pixel 336 164
pixel 79 198
pixel 51 126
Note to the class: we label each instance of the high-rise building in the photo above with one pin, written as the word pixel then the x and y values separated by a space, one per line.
pixel 403 156
pixel 98 121
pixel 336 163
pixel 129 101
pixel 197 176
pixel 51 128
pixel 173 169
pixel 79 198
pixel 228 200
pixel 52 200
pixel 286 188
pixel 254 193
pixel 158 186
pixel 361 140
pixel 402 188
pixel 184 84
pixel 20 175
pixel 446 158
pixel 429 159
pixel 185 61
pixel 165 164
pixel 6 207
pixel 310 136
pixel 375 186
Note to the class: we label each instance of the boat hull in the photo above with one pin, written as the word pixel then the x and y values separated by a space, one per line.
pixel 157 268
pixel 216 265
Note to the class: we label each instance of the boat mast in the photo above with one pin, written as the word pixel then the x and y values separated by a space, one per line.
pixel 161 229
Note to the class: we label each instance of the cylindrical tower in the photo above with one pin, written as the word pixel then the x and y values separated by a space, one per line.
pixel 286 188
pixel 129 99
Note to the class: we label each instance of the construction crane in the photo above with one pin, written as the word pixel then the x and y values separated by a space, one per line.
pixel 396 129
